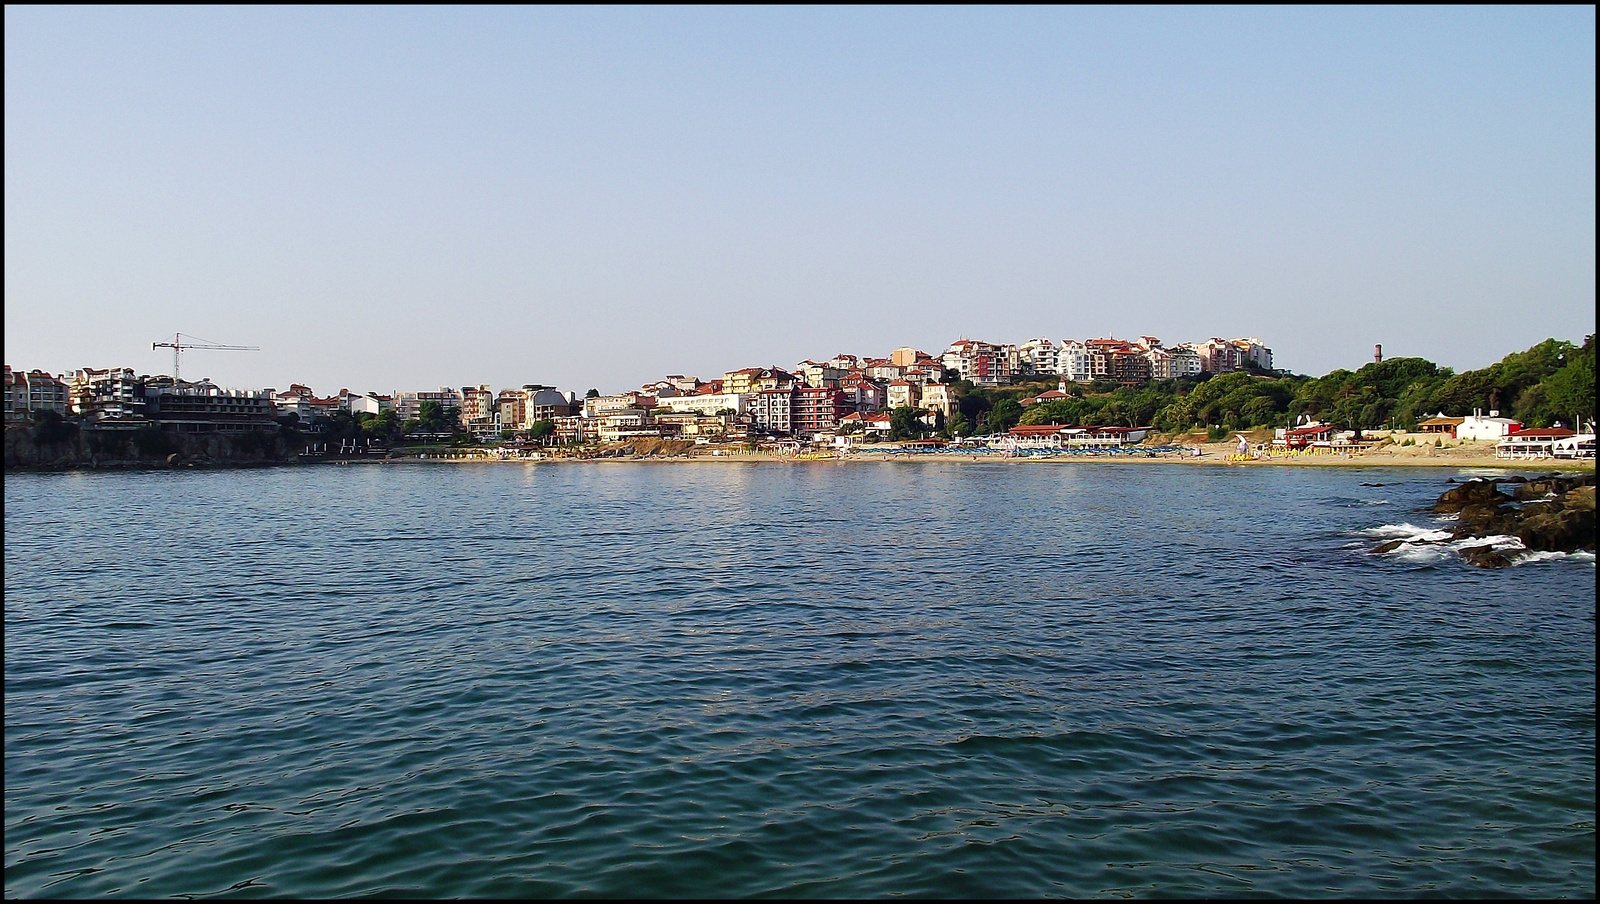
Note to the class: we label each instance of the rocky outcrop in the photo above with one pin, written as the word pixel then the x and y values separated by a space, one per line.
pixel 1549 514
pixel 67 447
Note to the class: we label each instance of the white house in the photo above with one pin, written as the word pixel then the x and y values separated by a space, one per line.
pixel 1493 428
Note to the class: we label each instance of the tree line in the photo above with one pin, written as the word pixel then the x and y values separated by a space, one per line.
pixel 1550 382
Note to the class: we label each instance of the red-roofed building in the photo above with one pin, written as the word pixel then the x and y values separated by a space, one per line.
pixel 1534 442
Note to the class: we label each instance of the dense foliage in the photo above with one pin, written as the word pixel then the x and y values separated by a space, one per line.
pixel 1552 381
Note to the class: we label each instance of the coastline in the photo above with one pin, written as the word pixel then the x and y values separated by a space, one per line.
pixel 1218 457
pixel 1213 455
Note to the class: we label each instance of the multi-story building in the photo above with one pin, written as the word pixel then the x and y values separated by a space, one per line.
pixel 512 406
pixel 817 409
pixel 183 407
pixel 371 403
pixel 297 400
pixel 16 397
pixel 1072 362
pixel 407 405
pixel 1221 356
pixel 1039 357
pixel 600 406
pixel 1101 354
pixel 706 403
pixel 1170 363
pixel 627 423
pixel 111 396
pixel 904 394
pixel 33 391
pixel 931 370
pixel 905 356
pixel 1129 367
pixel 773 410
pixel 577 429
pixel 822 374
pixel 938 399
pixel 741 382
pixel 477 407
pixel 863 395
pixel 546 403
pixel 982 362
pixel 693 423
pixel 885 371
pixel 684 384
pixel 774 378
pixel 1252 350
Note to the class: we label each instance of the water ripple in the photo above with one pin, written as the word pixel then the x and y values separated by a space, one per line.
pixel 767 680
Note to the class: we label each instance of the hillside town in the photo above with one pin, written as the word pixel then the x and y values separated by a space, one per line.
pixel 838 403
pixel 812 401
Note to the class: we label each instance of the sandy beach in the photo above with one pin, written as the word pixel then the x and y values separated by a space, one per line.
pixel 1223 454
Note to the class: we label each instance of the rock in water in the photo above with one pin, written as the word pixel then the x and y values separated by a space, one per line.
pixel 1485 557
pixel 1556 515
pixel 1475 491
pixel 1579 499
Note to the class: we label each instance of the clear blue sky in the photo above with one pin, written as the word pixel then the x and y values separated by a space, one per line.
pixel 405 198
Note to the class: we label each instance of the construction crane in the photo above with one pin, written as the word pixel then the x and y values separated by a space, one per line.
pixel 178 345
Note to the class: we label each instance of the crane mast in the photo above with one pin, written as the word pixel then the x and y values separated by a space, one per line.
pixel 178 345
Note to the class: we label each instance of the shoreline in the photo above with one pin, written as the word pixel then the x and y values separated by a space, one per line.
pixel 1210 458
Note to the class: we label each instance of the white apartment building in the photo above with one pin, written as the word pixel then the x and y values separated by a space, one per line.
pixel 112 394
pixel 1073 362
pixel 1039 356
pixel 709 403
pixel 774 409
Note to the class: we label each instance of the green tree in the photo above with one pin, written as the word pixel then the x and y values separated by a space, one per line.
pixel 1004 415
pixel 904 423
pixel 1569 392
pixel 542 429
pixel 430 416
pixel 383 425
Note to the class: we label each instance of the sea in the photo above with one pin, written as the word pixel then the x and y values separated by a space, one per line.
pixel 824 679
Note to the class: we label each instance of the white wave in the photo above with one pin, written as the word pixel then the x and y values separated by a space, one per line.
pixel 1423 554
pixel 1433 552
pixel 1582 555
pixel 1374 501
pixel 1496 542
pixel 1407 532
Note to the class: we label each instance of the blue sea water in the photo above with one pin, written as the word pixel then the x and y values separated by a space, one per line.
pixel 823 680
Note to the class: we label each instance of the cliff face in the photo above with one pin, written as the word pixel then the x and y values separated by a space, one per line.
pixel 66 446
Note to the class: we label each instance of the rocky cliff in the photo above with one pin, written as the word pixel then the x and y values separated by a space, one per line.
pixel 65 446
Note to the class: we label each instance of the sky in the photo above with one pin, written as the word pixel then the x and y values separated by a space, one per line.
pixel 406 198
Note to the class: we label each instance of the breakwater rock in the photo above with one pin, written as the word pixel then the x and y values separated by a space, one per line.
pixel 66 446
pixel 1545 514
